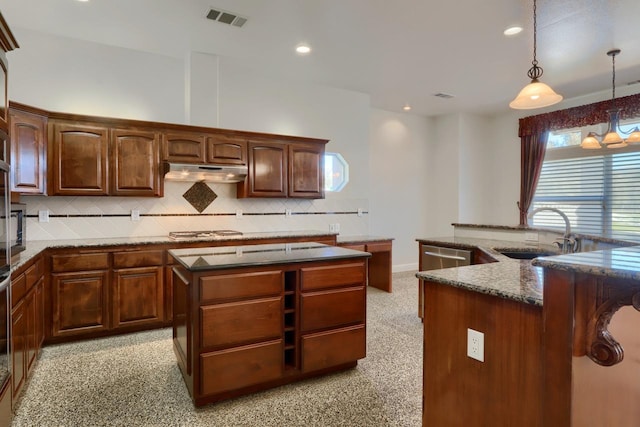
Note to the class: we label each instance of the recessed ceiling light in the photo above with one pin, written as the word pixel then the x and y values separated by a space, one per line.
pixel 512 31
pixel 83 1
pixel 406 107
pixel 303 49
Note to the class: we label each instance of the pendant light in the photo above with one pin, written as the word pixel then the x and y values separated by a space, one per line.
pixel 611 138
pixel 536 94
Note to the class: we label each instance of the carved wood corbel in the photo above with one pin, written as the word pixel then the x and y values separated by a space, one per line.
pixel 602 348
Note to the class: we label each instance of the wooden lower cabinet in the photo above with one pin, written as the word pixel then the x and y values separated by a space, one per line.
pixel 138 296
pixel 240 330
pixel 380 263
pixel 80 302
pixel 27 323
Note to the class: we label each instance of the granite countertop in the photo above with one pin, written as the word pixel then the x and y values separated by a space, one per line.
pixel 34 247
pixel 522 280
pixel 219 258
pixel 518 280
pixel 620 263
pixel 361 238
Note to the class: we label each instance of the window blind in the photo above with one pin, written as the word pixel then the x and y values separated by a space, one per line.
pixel 599 194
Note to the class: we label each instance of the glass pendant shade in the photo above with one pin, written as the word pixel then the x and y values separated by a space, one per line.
pixel 590 142
pixel 535 95
pixel 634 137
pixel 617 145
pixel 612 138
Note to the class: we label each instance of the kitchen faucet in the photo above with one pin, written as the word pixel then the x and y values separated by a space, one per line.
pixel 566 244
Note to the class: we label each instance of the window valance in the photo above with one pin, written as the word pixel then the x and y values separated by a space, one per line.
pixel 584 115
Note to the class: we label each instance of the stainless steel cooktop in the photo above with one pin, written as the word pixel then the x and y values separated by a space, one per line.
pixel 206 234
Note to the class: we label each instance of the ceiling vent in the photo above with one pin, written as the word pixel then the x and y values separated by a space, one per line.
pixel 443 95
pixel 226 17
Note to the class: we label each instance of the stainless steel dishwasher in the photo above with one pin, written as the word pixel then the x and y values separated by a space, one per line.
pixel 435 258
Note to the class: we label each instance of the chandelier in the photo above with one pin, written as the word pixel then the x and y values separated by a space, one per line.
pixel 536 94
pixel 611 138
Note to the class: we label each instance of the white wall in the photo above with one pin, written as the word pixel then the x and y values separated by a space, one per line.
pixel 66 75
pixel 400 191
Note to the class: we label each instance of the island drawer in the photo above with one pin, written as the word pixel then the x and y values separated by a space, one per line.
pixel 229 287
pixel 241 322
pixel 333 276
pixel 79 262
pixel 328 309
pixel 137 259
pixel 333 348
pixel 240 367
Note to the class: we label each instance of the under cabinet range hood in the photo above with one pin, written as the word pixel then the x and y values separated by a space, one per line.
pixel 204 172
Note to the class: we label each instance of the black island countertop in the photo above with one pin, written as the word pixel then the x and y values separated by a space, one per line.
pixel 218 258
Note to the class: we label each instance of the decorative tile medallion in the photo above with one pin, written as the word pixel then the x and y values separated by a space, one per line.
pixel 200 196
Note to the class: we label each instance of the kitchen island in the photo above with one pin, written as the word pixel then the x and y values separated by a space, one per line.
pixel 549 348
pixel 247 318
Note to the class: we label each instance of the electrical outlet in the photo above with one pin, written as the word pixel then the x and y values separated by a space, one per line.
pixel 239 213
pixel 337 227
pixel 332 228
pixel 287 213
pixel 359 211
pixel 43 216
pixel 135 215
pixel 475 345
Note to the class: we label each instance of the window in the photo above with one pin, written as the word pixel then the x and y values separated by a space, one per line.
pixel 599 190
pixel 336 172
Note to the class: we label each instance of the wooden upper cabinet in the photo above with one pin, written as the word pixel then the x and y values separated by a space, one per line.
pixel 306 171
pixel 79 160
pixel 28 152
pixel 226 150
pixel 267 170
pixel 184 147
pixel 135 163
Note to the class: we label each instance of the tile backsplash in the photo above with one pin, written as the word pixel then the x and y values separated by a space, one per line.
pixel 104 217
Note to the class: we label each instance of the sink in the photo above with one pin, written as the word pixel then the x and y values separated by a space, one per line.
pixel 525 254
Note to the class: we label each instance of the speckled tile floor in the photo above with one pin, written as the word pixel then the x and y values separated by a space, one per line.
pixel 133 380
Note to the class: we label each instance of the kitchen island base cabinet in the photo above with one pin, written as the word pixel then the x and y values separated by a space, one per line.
pixel 504 390
pixel 244 329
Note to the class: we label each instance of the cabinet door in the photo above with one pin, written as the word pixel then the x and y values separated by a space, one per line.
pixel 306 171
pixel 39 314
pixel 18 348
pixel 138 296
pixel 183 147
pixel 135 163
pixel 267 171
pixel 80 302
pixel 79 160
pixel 31 328
pixel 28 162
pixel 226 150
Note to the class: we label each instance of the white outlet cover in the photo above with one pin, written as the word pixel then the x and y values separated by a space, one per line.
pixel 475 345
pixel 43 216
pixel 531 236
pixel 239 213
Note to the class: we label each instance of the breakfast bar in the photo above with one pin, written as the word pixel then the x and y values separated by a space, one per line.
pixel 252 317
pixel 558 333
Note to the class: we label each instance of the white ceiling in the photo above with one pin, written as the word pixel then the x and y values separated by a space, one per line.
pixel 400 51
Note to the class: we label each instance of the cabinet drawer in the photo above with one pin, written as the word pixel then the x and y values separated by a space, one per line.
pixel 137 259
pixel 333 276
pixel 238 286
pixel 327 309
pixel 240 367
pixel 79 262
pixel 332 348
pixel 241 322
pixel 379 247
pixel 18 289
